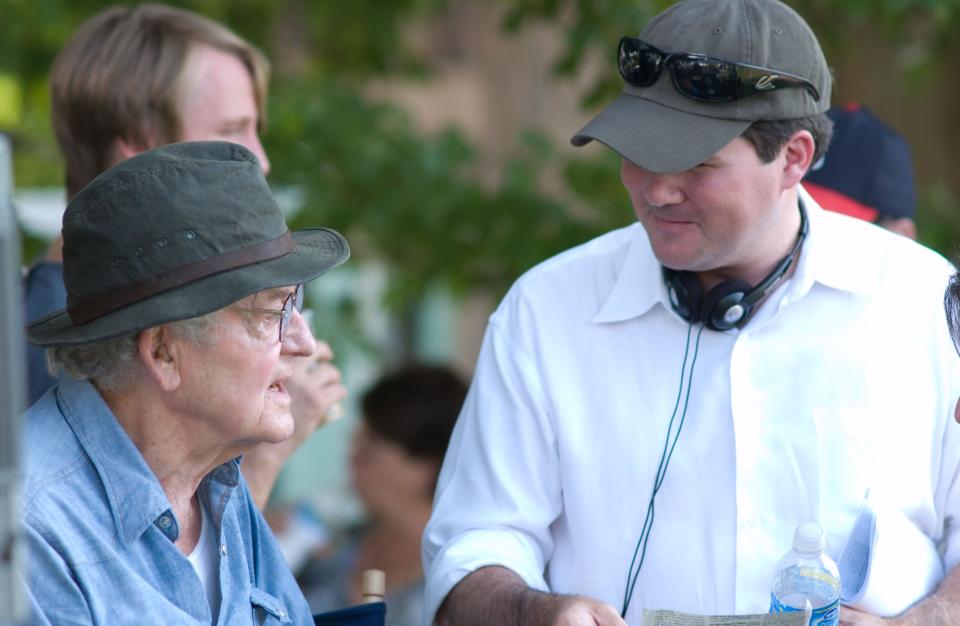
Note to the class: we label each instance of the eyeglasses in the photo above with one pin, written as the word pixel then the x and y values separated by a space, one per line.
pixel 292 301
pixel 699 77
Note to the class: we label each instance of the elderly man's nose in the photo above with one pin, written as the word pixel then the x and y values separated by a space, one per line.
pixel 298 340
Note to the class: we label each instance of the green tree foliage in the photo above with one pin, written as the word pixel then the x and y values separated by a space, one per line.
pixel 405 198
pixel 409 199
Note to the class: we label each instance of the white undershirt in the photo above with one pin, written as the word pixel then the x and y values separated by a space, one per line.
pixel 205 560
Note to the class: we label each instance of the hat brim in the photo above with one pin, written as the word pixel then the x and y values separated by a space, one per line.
pixel 656 137
pixel 316 251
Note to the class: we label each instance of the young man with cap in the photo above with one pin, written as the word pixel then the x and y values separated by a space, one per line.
pixel 176 346
pixel 866 172
pixel 206 83
pixel 655 412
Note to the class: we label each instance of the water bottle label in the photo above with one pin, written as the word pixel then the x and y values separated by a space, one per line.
pixel 828 615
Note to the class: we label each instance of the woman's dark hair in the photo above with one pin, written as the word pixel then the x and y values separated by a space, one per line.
pixel 415 407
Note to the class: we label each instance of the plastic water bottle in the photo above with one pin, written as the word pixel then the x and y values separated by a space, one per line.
pixel 807 574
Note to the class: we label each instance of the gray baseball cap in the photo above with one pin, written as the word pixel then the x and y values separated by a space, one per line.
pixel 663 131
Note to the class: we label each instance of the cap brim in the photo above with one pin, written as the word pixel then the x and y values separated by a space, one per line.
pixel 656 137
pixel 316 251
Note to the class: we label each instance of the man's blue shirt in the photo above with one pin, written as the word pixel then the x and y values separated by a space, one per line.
pixel 100 531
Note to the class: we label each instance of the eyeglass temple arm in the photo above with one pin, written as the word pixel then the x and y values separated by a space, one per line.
pixel 766 80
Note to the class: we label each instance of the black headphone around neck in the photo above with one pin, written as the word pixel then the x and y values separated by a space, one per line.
pixel 731 303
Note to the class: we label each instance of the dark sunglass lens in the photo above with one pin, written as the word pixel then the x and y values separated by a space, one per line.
pixel 639 63
pixel 706 79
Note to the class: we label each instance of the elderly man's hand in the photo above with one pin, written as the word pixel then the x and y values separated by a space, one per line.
pixel 316 391
pixel 853 617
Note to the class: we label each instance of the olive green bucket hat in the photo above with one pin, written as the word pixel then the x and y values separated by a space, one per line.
pixel 172 233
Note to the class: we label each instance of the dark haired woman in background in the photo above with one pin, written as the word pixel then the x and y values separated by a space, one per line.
pixel 407 418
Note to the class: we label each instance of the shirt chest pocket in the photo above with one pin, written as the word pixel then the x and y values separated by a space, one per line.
pixel 267 609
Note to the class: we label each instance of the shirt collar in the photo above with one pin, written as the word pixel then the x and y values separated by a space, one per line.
pixel 133 492
pixel 837 254
pixel 826 257
pixel 638 286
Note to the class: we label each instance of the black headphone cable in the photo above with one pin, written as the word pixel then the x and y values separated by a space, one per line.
pixel 665 457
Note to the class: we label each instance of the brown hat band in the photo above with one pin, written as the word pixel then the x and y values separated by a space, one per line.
pixel 89 310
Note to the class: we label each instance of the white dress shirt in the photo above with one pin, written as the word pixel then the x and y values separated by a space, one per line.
pixel 844 380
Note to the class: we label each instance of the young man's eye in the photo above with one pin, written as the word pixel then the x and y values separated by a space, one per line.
pixel 232 129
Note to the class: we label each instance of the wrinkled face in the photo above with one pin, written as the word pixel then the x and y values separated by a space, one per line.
pixel 385 476
pixel 721 217
pixel 235 386
pixel 220 103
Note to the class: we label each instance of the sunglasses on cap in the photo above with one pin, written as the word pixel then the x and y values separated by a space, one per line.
pixel 699 77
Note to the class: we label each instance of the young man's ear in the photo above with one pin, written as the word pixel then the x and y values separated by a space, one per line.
pixel 160 356
pixel 797 157
pixel 122 149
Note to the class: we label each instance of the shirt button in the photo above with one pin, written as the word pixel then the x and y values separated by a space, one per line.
pixel 223 549
pixel 282 613
pixel 164 522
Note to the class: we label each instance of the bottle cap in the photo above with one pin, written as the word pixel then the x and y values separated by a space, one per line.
pixel 373 585
pixel 809 538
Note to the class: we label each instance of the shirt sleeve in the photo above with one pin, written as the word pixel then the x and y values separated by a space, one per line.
pixel 53 593
pixel 948 493
pixel 499 489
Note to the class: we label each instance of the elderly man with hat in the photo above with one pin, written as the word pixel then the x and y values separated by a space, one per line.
pixel 137 77
pixel 655 412
pixel 182 319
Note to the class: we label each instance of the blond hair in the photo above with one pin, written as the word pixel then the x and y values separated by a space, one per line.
pixel 123 76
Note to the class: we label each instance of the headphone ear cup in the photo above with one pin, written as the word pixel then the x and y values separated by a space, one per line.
pixel 685 293
pixel 721 308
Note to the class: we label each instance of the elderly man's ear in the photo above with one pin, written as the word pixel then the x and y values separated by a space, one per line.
pixel 161 354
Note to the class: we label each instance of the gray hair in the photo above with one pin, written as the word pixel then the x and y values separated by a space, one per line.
pixel 114 363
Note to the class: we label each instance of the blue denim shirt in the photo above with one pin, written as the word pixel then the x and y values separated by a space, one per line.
pixel 99 530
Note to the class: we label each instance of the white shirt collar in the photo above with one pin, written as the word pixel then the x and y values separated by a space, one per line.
pixel 825 258
pixel 638 286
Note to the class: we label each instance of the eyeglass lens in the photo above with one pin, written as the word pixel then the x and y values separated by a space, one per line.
pixel 291 302
pixel 703 78
pixel 700 77
pixel 707 79
pixel 639 65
